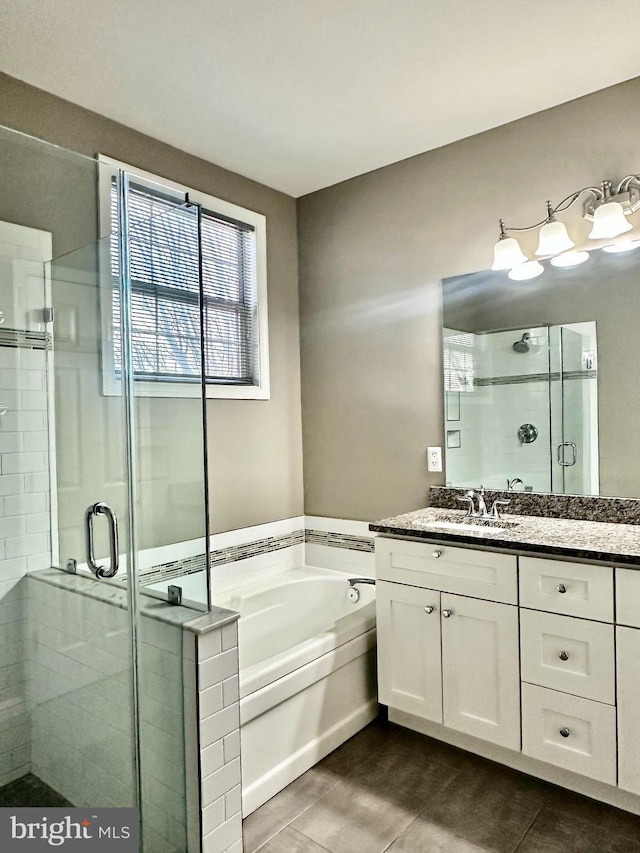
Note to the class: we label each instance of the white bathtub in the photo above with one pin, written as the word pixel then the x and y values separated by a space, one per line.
pixel 307 674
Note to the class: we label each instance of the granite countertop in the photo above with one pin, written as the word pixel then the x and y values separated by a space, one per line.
pixel 582 540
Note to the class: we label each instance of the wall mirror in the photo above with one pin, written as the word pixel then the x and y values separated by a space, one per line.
pixel 541 378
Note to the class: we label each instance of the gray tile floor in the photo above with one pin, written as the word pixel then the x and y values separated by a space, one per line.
pixel 388 789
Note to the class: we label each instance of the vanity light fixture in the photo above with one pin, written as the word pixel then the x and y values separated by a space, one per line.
pixel 607 206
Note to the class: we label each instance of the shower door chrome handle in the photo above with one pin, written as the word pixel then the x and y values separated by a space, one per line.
pixel 102 509
pixel 561 459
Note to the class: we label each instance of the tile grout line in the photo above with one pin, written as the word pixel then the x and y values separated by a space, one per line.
pixel 295 817
pixel 304 835
pixel 530 827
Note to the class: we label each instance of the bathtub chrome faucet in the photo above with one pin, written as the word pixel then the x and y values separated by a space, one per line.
pixel 353 593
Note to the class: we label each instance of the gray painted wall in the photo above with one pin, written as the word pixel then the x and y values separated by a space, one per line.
pixel 372 253
pixel 255 448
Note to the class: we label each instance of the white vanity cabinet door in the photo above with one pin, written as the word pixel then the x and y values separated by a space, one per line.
pixel 465 571
pixel 480 669
pixel 570 589
pixel 628 666
pixel 409 650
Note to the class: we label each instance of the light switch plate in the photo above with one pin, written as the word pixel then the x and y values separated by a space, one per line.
pixel 434 459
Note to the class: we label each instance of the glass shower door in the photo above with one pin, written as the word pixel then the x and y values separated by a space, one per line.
pixel 574 410
pixel 89 764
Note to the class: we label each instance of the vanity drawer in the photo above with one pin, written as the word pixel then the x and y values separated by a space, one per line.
pixel 572 655
pixel 628 597
pixel 479 574
pixel 571 589
pixel 570 732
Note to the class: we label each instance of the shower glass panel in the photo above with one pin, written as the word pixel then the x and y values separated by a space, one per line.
pixel 167 348
pixel 67 733
pixel 92 711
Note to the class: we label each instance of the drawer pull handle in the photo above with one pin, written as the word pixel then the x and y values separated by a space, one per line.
pixel 428 608
pixel 565 732
pixel 437 553
pixel 561 588
pixel 564 655
pixel 447 613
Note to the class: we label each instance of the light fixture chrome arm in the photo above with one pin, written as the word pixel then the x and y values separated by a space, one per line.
pixel 607 205
pixel 565 204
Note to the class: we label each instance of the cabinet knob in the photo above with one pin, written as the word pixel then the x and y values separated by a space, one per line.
pixel 564 655
pixel 447 613
pixel 565 732
pixel 561 587
pixel 428 608
pixel 437 553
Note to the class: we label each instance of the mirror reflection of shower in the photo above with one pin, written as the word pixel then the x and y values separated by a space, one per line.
pixel 496 381
pixel 523 344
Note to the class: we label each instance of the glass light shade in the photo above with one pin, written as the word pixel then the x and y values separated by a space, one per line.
pixel 609 221
pixel 527 270
pixel 623 246
pixel 554 239
pixel 507 254
pixel 570 259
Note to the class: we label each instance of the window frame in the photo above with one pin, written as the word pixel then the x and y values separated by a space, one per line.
pixel 111 385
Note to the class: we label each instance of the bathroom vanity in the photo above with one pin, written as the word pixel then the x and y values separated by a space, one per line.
pixel 518 642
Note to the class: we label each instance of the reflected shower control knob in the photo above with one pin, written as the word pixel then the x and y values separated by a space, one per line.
pixel 561 587
pixel 437 553
pixel 564 655
pixel 565 732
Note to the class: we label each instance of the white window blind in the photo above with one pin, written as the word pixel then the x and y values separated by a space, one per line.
pixel 458 362
pixel 165 308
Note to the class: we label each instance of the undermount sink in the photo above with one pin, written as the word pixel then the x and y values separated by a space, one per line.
pixel 454 522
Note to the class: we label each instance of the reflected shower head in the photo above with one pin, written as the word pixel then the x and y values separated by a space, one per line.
pixel 523 344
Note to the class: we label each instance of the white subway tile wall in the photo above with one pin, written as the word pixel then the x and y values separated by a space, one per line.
pixel 15 726
pixel 219 736
pixel 79 673
pixel 24 478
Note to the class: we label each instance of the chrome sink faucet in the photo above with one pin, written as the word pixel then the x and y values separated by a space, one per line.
pixel 468 497
pixel 482 511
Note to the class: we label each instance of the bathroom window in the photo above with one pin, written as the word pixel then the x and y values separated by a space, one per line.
pixel 165 300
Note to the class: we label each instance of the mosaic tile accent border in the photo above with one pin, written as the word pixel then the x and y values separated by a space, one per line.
pixel 340 540
pixel 219 557
pixel 25 339
pixel 574 507
pixel 174 569
pixel 253 549
pixel 525 378
pixel 222 556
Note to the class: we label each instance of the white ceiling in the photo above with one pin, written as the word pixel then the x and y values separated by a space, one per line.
pixel 301 94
